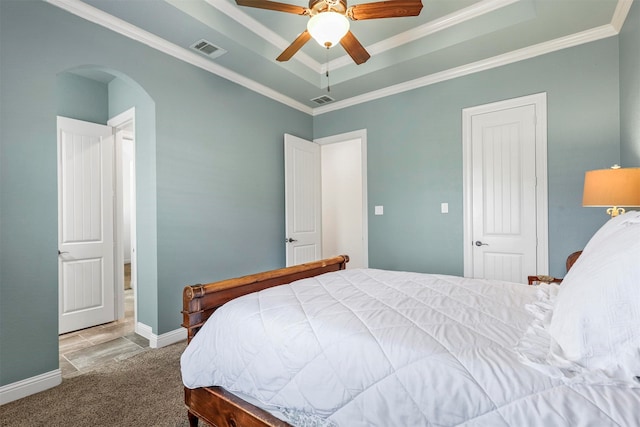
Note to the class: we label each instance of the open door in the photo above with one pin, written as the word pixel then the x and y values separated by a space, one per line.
pixel 303 222
pixel 85 224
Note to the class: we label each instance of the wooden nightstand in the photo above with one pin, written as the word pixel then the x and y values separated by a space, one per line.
pixel 536 280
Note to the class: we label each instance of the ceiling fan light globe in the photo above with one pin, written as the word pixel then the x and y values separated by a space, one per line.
pixel 328 28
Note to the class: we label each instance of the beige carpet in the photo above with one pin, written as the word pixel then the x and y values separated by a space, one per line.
pixel 144 390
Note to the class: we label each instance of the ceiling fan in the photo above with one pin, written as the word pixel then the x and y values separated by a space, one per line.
pixel 329 21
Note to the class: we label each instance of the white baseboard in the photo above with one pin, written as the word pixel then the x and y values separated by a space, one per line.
pixel 144 330
pixel 29 386
pixel 163 340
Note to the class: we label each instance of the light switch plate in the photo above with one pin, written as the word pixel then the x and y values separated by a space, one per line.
pixel 444 207
pixel 379 210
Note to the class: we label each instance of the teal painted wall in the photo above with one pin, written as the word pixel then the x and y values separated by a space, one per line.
pixel 415 154
pixel 630 89
pixel 214 170
pixel 82 99
pixel 125 94
pixel 210 161
pixel 220 184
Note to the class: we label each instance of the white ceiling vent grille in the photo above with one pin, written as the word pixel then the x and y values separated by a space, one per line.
pixel 208 48
pixel 324 99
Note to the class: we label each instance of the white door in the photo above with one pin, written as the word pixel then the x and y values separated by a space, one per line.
pixel 504 193
pixel 85 224
pixel 303 222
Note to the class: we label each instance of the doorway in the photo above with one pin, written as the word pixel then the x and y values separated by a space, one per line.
pixel 326 198
pixel 505 189
pixel 125 207
pixel 344 197
pixel 96 191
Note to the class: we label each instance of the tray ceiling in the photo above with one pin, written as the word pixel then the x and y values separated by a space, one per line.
pixel 450 38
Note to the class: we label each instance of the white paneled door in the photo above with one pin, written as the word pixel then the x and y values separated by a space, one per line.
pixel 85 224
pixel 504 194
pixel 303 208
pixel 505 189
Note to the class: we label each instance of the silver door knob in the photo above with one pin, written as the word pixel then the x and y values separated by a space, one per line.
pixel 479 243
pixel 290 240
pixel 63 252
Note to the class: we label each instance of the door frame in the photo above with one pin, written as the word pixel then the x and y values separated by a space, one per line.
pixel 539 101
pixel 362 136
pixel 119 123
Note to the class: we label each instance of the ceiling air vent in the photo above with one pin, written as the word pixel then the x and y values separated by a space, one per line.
pixel 207 48
pixel 324 99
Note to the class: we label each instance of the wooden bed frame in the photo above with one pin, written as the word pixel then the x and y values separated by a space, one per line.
pixel 215 405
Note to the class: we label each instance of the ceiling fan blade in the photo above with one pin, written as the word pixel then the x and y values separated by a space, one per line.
pixel 385 9
pixel 355 50
pixel 273 5
pixel 294 47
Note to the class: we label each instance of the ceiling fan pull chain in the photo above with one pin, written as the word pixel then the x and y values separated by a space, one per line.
pixel 328 86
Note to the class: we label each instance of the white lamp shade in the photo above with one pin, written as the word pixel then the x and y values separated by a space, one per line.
pixel 328 28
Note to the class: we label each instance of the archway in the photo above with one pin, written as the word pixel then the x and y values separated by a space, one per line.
pixel 100 95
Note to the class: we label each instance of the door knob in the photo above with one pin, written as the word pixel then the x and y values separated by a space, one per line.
pixel 60 253
pixel 479 243
pixel 290 240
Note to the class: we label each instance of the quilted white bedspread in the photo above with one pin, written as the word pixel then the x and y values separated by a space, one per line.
pixel 379 348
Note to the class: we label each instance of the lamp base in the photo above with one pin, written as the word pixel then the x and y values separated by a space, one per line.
pixel 615 211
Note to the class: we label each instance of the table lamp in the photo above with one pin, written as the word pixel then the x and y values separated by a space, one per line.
pixel 614 187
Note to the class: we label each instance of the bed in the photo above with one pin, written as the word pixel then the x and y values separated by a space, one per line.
pixel 319 345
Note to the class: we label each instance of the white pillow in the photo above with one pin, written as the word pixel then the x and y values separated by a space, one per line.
pixel 610 227
pixel 595 328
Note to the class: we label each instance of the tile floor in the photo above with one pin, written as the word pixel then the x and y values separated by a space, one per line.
pixel 84 350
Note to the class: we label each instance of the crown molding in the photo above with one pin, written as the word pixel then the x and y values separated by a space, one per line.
pixel 119 26
pixel 447 21
pixel 620 14
pixel 437 25
pixel 587 36
pixel 456 18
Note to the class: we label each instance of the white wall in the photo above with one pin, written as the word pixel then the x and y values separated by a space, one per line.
pixel 127 170
pixel 342 228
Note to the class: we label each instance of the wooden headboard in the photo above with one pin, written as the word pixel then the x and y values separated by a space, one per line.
pixel 200 301
pixel 215 405
pixel 571 259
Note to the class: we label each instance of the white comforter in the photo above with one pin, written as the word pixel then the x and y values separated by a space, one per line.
pixel 380 348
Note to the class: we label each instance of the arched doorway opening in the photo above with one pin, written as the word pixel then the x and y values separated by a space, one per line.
pixel 93 95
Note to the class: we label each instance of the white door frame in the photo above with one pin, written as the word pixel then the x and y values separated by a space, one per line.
pixel 123 120
pixel 362 136
pixel 542 228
